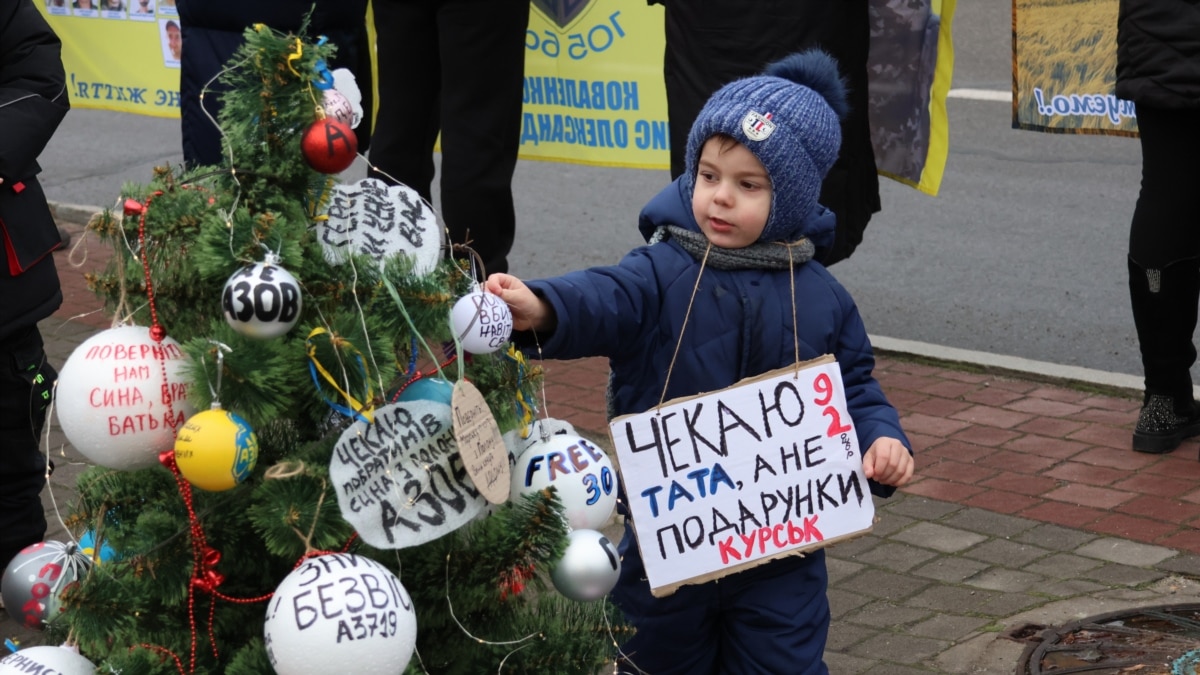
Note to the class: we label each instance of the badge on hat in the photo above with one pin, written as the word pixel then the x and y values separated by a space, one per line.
pixel 757 126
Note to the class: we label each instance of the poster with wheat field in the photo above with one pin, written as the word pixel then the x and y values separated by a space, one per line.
pixel 1065 68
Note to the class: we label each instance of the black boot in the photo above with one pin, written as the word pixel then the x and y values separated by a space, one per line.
pixel 1164 313
pixel 1162 425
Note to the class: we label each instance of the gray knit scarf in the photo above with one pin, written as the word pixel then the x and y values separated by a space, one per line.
pixel 758 256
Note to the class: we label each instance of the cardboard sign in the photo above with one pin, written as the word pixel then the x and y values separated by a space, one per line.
pixel 400 481
pixel 728 480
pixel 483 451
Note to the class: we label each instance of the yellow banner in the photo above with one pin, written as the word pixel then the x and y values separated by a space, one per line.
pixel 1064 68
pixel 594 84
pixel 593 88
pixel 119 55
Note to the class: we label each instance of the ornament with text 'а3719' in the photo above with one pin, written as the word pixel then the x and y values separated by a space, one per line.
pixel 340 613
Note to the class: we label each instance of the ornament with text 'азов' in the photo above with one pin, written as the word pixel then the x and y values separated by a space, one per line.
pixel 262 300
pixel 340 613
pixel 121 396
pixel 400 479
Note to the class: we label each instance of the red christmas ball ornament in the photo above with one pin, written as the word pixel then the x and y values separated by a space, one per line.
pixel 329 146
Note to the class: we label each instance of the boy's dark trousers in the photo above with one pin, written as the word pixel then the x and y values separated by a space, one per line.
pixel 26 387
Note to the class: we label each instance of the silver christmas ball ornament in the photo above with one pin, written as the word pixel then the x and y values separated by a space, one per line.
pixel 35 579
pixel 589 567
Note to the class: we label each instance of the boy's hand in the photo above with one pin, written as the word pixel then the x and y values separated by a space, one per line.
pixel 529 312
pixel 888 462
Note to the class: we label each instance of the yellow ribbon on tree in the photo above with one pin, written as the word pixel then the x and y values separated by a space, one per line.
pixel 363 412
pixel 524 406
pixel 295 57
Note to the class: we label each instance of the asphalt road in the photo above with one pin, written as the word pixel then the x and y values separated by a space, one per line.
pixel 1021 254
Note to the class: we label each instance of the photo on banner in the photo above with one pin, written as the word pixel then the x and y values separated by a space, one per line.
pixel 1065 68
pixel 120 55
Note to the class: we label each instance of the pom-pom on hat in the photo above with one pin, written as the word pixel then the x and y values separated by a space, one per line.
pixel 789 117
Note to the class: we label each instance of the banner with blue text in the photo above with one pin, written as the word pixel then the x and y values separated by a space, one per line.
pixel 1065 66
pixel 593 89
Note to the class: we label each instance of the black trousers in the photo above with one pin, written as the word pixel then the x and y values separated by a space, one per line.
pixel 458 67
pixel 1166 221
pixel 26 386
pixel 710 43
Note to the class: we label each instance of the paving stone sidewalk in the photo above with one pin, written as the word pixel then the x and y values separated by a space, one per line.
pixel 1029 508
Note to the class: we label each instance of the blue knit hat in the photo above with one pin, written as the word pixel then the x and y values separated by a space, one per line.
pixel 789 117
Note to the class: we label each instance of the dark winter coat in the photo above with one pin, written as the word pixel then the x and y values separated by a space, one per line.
pixel 212 31
pixel 740 325
pixel 1158 53
pixel 33 100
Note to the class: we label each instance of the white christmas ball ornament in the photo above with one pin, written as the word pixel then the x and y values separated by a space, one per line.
pixel 121 396
pixel 262 301
pixel 589 568
pixel 347 86
pixel 581 473
pixel 46 659
pixel 338 107
pixel 482 322
pixel 340 613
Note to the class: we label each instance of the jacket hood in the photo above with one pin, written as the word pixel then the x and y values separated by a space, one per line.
pixel 673 206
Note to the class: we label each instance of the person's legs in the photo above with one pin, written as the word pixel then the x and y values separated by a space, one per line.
pixel 775 618
pixel 482 50
pixel 1164 276
pixel 409 81
pixel 710 43
pixel 676 635
pixel 26 383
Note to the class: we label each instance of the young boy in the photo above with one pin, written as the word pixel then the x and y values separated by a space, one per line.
pixel 728 274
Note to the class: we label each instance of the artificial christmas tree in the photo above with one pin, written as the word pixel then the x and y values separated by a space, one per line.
pixel 300 330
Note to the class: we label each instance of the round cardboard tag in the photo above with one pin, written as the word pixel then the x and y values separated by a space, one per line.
pixel 479 443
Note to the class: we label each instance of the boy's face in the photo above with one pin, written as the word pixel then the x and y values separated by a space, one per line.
pixel 732 199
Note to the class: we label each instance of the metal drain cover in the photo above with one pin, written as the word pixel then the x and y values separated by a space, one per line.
pixel 1162 640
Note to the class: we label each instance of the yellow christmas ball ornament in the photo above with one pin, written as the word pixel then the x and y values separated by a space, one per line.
pixel 215 450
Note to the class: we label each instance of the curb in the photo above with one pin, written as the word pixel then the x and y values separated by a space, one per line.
pixel 1116 384
pixel 75 214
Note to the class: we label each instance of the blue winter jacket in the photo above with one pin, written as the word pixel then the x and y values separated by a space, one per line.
pixel 740 323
